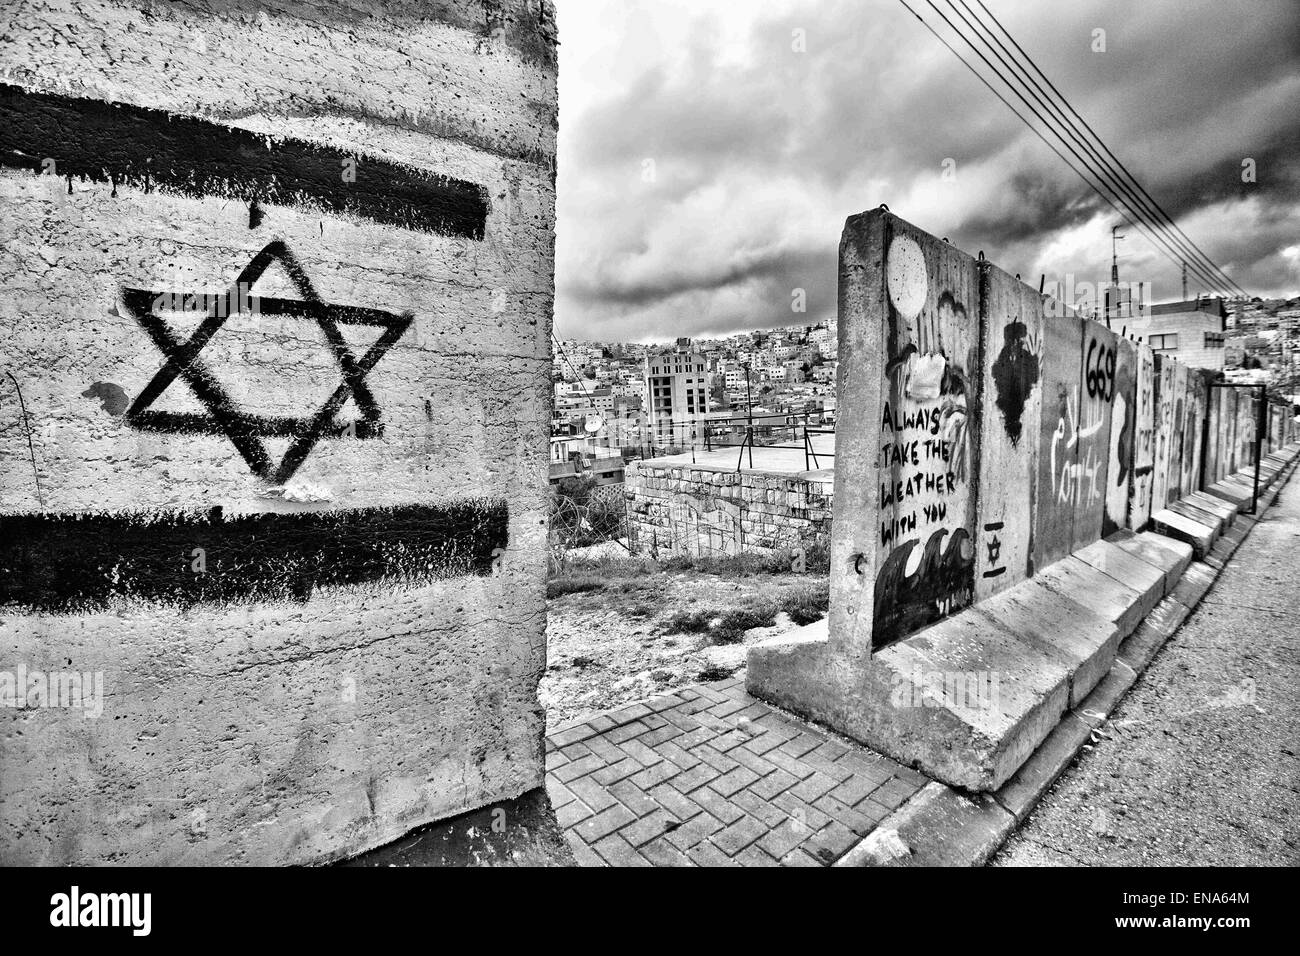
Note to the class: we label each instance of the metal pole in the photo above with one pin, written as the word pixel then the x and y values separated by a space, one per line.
pixel 1254 504
pixel 805 440
pixel 1205 441
pixel 749 416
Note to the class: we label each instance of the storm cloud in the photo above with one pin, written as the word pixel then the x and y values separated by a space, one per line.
pixel 707 165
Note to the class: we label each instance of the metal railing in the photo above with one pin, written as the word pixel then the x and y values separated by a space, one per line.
pixel 796 422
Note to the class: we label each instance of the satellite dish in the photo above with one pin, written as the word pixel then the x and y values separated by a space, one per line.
pixel 594 425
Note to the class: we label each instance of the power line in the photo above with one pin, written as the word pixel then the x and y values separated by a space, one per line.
pixel 1115 159
pixel 578 378
pixel 1135 214
pixel 1005 102
pixel 1098 165
pixel 1133 218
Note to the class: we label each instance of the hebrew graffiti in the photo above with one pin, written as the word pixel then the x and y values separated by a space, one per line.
pixel 1139 506
pixel 1074 437
pixel 247 431
pixel 1074 462
pixel 1165 408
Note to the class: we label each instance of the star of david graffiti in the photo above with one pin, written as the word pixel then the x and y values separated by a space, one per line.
pixel 244 430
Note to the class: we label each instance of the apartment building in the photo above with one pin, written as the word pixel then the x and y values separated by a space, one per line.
pixel 676 392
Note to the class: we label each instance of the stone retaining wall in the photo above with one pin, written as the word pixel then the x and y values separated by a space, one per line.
pixel 701 511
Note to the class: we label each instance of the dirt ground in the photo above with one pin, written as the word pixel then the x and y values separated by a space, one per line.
pixel 629 629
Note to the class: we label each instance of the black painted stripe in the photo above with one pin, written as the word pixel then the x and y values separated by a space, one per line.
pixel 79 562
pixel 149 149
pixel 257 426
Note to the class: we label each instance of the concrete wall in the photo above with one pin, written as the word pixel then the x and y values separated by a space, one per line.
pixel 301 535
pixel 709 512
pixel 905 536
pixel 985 433
pixel 1013 333
pixel 1125 417
pixel 1232 421
pixel 1142 488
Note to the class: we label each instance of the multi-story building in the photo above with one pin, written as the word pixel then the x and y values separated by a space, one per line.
pixel 734 378
pixel 676 392
pixel 1194 332
pixel 1237 349
pixel 823 339
pixel 782 350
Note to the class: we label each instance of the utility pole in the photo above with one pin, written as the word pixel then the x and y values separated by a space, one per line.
pixel 1113 298
pixel 749 415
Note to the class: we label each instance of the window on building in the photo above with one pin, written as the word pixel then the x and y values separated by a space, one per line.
pixel 1168 340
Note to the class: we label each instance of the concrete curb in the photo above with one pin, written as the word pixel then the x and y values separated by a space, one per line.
pixel 943 826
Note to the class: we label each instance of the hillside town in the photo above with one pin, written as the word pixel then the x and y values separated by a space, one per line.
pixel 616 402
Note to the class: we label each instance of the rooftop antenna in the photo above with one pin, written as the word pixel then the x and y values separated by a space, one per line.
pixel 1115 237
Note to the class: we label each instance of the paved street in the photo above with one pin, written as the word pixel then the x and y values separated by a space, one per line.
pixel 1198 765
pixel 709 776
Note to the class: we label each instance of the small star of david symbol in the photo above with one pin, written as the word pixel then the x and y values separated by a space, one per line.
pixel 247 431
pixel 995 549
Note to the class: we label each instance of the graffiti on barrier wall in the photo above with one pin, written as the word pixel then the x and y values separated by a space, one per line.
pixel 927 555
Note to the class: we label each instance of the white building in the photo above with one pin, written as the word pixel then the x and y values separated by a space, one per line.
pixel 823 339
pixel 1193 332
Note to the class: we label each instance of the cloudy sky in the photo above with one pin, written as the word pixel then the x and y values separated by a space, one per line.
pixel 706 166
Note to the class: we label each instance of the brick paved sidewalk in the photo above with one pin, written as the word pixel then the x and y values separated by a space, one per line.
pixel 709 776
